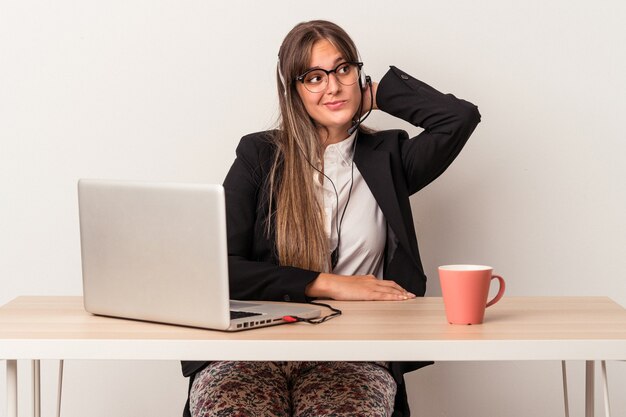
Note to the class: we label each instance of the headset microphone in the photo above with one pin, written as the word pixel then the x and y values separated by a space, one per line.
pixel 368 82
pixel 353 128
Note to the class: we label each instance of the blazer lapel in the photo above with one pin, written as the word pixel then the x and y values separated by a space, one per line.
pixel 375 167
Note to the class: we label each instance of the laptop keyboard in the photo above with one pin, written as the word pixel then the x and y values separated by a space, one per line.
pixel 242 314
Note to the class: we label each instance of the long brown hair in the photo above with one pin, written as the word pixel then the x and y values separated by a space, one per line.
pixel 294 206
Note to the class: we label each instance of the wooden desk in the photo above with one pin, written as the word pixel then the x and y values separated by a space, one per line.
pixel 517 328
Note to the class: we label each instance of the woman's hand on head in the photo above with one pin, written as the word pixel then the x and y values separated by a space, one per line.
pixel 356 288
pixel 367 101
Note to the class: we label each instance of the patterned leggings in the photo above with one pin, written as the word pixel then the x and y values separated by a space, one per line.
pixel 299 389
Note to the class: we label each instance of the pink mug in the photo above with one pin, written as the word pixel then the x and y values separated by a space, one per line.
pixel 465 289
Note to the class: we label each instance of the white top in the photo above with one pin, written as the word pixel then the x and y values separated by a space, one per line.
pixel 364 228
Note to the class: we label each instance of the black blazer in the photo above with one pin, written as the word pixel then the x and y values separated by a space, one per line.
pixel 393 166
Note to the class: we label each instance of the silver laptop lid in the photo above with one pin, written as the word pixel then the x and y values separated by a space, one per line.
pixel 155 251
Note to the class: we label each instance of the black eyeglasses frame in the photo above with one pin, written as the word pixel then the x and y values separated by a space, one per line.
pixel 358 64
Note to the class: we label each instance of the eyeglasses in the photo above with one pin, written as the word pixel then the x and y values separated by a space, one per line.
pixel 316 79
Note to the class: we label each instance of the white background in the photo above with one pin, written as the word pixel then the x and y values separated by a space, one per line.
pixel 163 90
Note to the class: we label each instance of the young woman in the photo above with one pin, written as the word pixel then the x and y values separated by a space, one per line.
pixel 319 208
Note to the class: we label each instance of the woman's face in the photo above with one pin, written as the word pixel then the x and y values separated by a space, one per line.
pixel 334 107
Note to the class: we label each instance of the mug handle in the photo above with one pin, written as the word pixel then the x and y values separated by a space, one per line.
pixel 500 291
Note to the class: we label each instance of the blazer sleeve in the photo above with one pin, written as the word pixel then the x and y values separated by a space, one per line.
pixel 253 269
pixel 447 121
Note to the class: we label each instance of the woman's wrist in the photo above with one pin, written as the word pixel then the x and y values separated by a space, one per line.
pixel 374 90
pixel 318 287
pixel 369 98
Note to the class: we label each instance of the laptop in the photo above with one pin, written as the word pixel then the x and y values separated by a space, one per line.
pixel 158 252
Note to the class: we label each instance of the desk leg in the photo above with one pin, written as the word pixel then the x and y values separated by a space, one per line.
pixel 60 388
pixel 11 388
pixel 589 389
pixel 565 394
pixel 37 388
pixel 605 384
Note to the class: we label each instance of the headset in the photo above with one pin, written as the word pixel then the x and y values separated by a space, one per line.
pixel 364 82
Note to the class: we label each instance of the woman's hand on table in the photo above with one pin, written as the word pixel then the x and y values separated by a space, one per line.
pixel 356 288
